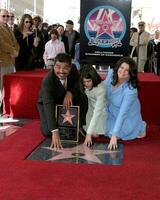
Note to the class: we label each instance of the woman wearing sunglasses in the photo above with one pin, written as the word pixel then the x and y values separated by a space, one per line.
pixel 27 42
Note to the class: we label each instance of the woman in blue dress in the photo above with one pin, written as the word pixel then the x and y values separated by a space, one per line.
pixel 124 113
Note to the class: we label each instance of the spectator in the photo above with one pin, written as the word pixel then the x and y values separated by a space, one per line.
pixel 62 37
pixel 38 61
pixel 27 43
pixel 139 41
pixel 44 29
pixel 9 49
pixel 11 23
pixel 72 36
pixel 52 48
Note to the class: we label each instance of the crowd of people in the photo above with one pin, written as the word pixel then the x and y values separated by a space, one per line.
pixel 110 107
pixel 32 44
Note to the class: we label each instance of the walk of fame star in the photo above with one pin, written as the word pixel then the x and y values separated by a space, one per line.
pixel 68 117
pixel 79 151
pixel 104 24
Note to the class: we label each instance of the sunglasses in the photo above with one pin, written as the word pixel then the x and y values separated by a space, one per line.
pixel 27 22
pixel 141 25
pixel 5 16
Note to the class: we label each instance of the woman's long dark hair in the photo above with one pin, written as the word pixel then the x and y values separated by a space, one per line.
pixel 133 73
pixel 89 72
pixel 21 24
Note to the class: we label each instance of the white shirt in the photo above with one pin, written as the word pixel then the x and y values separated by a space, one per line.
pixel 52 48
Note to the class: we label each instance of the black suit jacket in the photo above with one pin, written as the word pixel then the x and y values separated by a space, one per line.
pixel 52 93
pixel 76 38
pixel 65 41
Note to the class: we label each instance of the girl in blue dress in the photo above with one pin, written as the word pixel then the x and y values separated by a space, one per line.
pixel 124 113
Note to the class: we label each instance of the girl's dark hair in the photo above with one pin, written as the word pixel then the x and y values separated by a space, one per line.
pixel 133 73
pixel 89 72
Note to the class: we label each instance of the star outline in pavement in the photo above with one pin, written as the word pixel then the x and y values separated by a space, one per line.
pixel 80 151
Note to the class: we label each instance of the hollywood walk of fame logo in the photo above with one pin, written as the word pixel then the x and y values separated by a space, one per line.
pixel 105 27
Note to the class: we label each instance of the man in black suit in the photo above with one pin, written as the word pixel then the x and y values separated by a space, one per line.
pixel 59 87
pixel 72 36
pixel 62 37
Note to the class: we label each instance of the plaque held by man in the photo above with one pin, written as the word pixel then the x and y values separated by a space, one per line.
pixel 68 123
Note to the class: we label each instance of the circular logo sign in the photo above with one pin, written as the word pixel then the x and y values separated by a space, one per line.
pixel 105 27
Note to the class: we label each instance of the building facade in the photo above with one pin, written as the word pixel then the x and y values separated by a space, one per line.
pixel 19 7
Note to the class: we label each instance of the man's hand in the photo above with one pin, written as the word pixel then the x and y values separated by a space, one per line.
pixel 88 140
pixel 56 142
pixel 67 102
pixel 113 143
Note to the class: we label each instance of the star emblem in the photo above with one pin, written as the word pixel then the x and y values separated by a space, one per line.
pixel 79 151
pixel 67 117
pixel 103 23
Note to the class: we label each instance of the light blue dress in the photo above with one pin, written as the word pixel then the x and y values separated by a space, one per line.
pixel 124 112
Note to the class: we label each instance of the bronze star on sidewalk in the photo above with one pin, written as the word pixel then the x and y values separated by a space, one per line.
pixel 80 151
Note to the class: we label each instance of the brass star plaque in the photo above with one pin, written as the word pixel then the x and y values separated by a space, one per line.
pixel 68 122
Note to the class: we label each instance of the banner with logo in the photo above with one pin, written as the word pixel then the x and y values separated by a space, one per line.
pixel 104 29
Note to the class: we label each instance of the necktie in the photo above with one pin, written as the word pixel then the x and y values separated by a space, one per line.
pixel 11 27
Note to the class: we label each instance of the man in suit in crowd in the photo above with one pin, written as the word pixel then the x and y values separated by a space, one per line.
pixel 62 37
pixel 139 41
pixel 38 61
pixel 59 87
pixel 72 36
pixel 11 23
pixel 9 48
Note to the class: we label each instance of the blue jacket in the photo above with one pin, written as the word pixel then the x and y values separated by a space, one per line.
pixel 124 112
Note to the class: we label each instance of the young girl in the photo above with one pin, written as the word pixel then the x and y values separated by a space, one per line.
pixel 91 85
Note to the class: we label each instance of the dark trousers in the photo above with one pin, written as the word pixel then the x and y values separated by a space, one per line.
pixel 158 66
pixel 43 121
